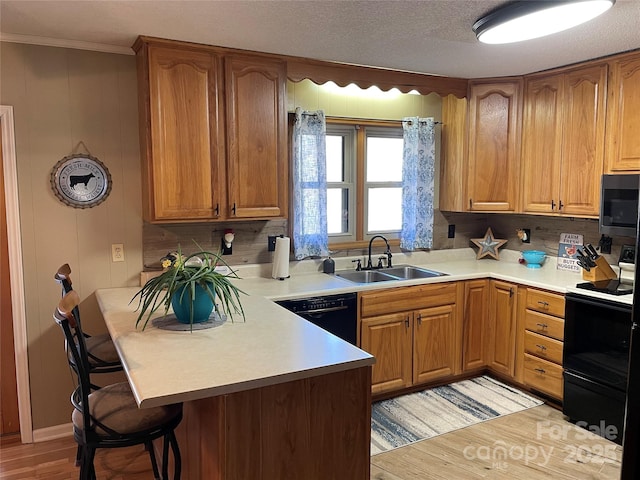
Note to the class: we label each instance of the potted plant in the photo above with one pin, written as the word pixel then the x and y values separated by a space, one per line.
pixel 190 284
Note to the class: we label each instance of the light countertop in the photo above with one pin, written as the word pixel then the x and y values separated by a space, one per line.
pixel 460 264
pixel 273 346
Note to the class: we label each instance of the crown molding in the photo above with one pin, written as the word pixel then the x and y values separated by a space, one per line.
pixel 63 43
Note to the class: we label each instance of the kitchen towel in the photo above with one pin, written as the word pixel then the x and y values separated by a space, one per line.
pixel 280 268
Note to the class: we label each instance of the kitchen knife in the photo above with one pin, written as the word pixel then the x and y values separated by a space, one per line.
pixel 584 265
pixel 592 251
pixel 585 259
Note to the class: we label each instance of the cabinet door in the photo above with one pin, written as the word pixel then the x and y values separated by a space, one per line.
pixel 256 137
pixel 476 298
pixel 542 144
pixel 453 154
pixel 388 339
pixel 623 120
pixel 501 332
pixel 494 146
pixel 434 346
pixel 182 173
pixel 583 140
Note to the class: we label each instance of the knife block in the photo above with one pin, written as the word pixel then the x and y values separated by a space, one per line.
pixel 601 272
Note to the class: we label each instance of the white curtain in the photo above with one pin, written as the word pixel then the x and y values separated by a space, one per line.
pixel 310 238
pixel 417 183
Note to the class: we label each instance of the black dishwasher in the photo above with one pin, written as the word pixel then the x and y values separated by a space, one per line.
pixel 336 314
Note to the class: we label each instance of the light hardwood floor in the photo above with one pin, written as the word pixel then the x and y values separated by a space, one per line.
pixel 534 444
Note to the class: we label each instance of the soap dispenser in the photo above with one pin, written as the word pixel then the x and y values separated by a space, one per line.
pixel 328 266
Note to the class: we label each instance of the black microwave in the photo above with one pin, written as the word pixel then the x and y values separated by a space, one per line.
pixel 619 205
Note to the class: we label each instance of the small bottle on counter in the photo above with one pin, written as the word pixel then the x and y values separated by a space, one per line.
pixel 328 266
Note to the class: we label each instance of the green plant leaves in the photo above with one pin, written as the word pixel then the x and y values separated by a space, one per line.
pixel 158 291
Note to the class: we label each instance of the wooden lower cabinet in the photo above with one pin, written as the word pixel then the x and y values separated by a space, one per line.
pixel 388 338
pixel 543 375
pixel 414 333
pixel 315 428
pixel 434 343
pixel 474 324
pixel 542 330
pixel 501 329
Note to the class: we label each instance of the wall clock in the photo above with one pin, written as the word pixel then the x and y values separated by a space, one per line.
pixel 81 181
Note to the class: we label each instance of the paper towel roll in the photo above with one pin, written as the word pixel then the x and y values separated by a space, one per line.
pixel 281 259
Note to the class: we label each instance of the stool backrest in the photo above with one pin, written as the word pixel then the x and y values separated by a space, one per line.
pixel 63 277
pixel 77 348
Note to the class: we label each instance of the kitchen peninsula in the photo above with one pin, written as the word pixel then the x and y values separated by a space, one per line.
pixel 271 397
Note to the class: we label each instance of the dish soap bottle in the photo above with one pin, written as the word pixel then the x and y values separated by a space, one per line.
pixel 328 266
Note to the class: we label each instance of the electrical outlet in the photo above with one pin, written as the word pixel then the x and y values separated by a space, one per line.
pixel 117 252
pixel 452 231
pixel 271 243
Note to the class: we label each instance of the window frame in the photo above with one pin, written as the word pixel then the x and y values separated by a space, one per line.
pixel 361 127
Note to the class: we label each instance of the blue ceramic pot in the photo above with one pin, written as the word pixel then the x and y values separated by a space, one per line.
pixel 202 305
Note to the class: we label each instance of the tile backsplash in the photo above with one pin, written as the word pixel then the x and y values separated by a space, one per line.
pixel 250 243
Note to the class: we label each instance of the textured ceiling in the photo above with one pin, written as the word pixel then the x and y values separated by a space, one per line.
pixel 429 36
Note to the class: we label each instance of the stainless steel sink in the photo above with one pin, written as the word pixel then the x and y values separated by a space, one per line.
pixel 407 272
pixel 402 272
pixel 365 276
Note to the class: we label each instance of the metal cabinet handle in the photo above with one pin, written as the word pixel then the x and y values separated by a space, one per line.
pixel 233 209
pixel 560 205
pixel 510 292
pixel 406 321
pixel 541 347
pixel 217 209
pixel 471 203
pixel 542 325
pixel 419 319
pixel 540 370
pixel 553 205
pixel 544 305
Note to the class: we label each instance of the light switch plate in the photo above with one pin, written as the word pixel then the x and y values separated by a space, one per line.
pixel 117 252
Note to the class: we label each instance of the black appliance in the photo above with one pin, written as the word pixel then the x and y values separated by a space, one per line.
pixel 631 442
pixel 337 314
pixel 597 334
pixel 619 204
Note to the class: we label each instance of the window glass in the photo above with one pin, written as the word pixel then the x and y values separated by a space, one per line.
pixel 335 158
pixel 337 210
pixel 384 159
pixel 384 209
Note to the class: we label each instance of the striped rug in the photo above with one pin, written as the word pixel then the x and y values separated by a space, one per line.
pixel 403 420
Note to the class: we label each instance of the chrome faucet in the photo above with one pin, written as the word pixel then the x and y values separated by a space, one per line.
pixel 387 253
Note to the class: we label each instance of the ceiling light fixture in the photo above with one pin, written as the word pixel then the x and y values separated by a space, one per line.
pixel 524 20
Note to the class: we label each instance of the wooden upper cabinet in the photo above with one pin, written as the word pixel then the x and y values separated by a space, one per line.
pixel 541 144
pixel 562 142
pixel 623 117
pixel 453 154
pixel 493 171
pixel 256 137
pixel 213 133
pixel 583 140
pixel 182 155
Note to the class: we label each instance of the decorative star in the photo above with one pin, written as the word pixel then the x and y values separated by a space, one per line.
pixel 489 245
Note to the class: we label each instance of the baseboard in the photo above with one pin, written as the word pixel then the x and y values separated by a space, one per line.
pixel 52 433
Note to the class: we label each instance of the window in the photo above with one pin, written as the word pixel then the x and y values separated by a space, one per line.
pixel 364 180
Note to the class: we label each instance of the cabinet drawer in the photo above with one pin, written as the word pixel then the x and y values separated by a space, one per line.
pixel 543 347
pixel 545 302
pixel 542 375
pixel 404 299
pixel 544 324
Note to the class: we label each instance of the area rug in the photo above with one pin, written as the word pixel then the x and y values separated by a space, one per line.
pixel 417 416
